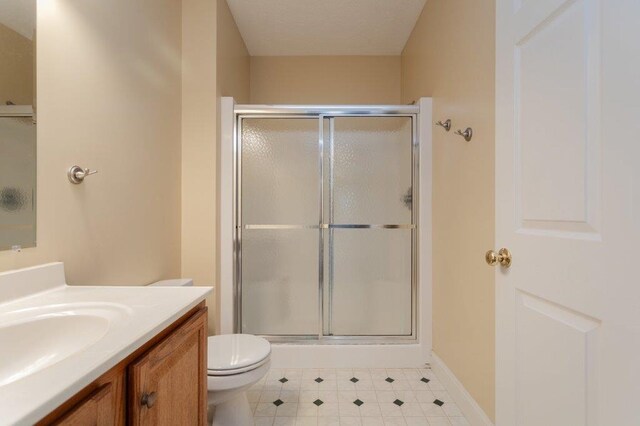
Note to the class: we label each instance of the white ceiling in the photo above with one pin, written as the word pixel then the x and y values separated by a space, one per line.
pixel 19 15
pixel 325 27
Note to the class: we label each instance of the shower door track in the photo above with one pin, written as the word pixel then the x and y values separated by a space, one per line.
pixel 321 113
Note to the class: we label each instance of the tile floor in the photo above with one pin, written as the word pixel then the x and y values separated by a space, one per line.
pixel 364 397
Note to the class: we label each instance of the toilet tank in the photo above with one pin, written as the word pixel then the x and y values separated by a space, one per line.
pixel 179 282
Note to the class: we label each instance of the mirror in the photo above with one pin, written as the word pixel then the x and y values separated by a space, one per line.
pixel 17 124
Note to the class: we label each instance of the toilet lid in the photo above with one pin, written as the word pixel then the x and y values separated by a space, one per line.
pixel 235 351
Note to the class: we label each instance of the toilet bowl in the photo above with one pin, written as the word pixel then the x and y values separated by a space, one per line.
pixel 234 363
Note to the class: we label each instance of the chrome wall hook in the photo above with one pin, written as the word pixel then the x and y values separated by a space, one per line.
pixel 467 134
pixel 446 125
pixel 76 174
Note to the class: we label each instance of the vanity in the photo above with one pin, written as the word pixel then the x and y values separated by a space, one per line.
pixel 75 355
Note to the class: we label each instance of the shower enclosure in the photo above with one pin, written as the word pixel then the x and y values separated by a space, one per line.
pixel 326 223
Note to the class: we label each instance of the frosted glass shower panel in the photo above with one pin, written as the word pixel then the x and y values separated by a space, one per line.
pixel 17 182
pixel 370 178
pixel 280 169
pixel 370 292
pixel 280 281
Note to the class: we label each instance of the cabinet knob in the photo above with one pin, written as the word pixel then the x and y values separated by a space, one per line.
pixel 148 399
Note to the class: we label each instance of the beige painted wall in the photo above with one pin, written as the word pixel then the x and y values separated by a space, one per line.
pixel 450 56
pixel 215 63
pixel 325 79
pixel 16 67
pixel 109 98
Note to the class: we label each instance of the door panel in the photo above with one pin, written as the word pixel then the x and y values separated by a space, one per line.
pixel 280 282
pixel 368 168
pixel 558 158
pixel 567 316
pixel 371 283
pixel 569 362
pixel 280 171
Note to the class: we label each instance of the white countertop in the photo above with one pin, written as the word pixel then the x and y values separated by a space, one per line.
pixel 140 313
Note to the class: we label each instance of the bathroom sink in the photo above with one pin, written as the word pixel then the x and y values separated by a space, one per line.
pixel 36 338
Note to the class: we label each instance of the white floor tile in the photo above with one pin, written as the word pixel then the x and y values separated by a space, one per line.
pixel 406 395
pixel 370 409
pixel 372 421
pixel 347 396
pixel 269 395
pixel 443 396
pixel 411 409
pixel 284 421
pixel 328 421
pixel 328 396
pixel 394 421
pixel 265 410
pixel 432 410
pixel 386 396
pixel 307 409
pixel 306 421
pixel 309 396
pixel 367 395
pixel 290 395
pixel 416 421
pixel 435 385
pixel 459 421
pixel 424 396
pixel 451 409
pixel 348 409
pixel 263 421
pixel 389 409
pixel 350 421
pixel 329 409
pixel 288 409
pixel 438 421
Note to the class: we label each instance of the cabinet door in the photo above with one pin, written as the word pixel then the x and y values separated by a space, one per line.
pixel 168 384
pixel 95 410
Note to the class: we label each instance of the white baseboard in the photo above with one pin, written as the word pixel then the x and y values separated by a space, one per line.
pixel 469 407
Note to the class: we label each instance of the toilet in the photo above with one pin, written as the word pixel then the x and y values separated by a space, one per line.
pixel 234 363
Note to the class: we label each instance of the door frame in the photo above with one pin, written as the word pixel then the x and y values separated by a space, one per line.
pixel 325 116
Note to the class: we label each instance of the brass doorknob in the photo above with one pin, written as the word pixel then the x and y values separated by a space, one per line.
pixel 503 257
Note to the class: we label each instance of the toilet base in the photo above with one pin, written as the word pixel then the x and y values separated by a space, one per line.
pixel 232 412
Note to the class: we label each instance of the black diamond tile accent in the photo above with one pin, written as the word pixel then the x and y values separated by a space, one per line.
pixel 318 402
pixel 354 380
pixel 438 402
pixel 398 402
pixel 283 380
pixel 319 380
pixel 424 379
pixel 389 379
pixel 278 402
pixel 358 402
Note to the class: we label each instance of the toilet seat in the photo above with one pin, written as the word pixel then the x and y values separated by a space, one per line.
pixel 231 354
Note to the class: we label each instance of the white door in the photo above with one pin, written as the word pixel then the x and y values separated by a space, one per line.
pixel 568 209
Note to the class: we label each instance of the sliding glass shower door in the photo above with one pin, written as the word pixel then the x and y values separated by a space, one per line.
pixel 326 226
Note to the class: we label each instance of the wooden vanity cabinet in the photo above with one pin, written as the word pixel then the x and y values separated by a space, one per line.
pixel 162 383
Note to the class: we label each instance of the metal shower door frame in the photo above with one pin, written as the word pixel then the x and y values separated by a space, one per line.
pixel 322 113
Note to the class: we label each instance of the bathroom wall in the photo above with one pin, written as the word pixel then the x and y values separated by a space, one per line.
pixel 109 98
pixel 450 56
pixel 16 77
pixel 215 63
pixel 325 79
